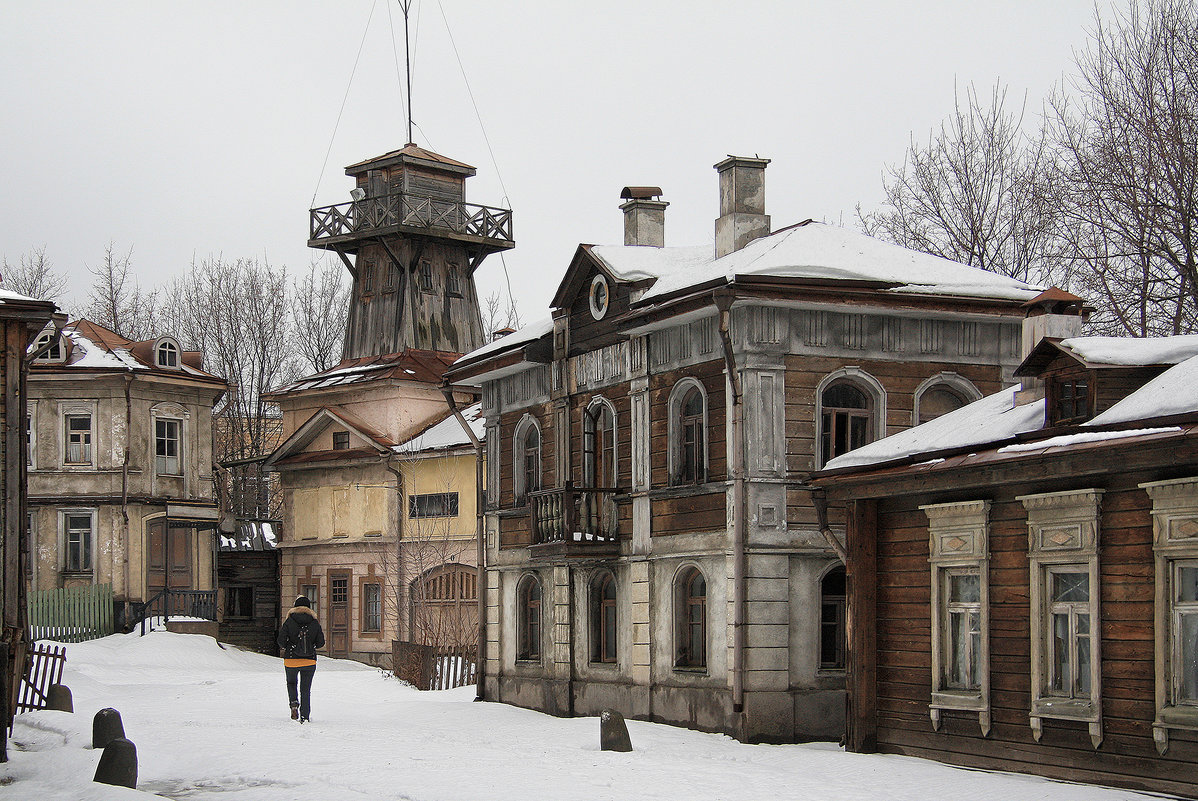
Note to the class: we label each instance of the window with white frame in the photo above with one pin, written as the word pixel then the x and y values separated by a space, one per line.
pixel 77 541
pixel 166 354
pixel 168 441
pixel 54 353
pixel 77 435
pixel 1064 592
pixel 1175 550
pixel 958 535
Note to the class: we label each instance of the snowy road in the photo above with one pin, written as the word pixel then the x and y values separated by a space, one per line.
pixel 212 724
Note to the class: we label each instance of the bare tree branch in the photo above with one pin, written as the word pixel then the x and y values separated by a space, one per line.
pixel 34 276
pixel 319 306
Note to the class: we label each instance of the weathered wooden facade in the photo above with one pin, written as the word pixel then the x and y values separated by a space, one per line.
pixel 20 320
pixel 1022 574
pixel 120 465
pixel 651 546
pixel 369 523
pixel 247 574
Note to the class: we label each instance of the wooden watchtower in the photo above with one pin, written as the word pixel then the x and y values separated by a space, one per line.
pixel 411 242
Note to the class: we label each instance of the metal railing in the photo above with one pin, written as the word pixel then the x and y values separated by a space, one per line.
pixel 178 603
pixel 416 211
pixel 574 514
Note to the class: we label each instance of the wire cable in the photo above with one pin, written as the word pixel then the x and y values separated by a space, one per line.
pixel 341 111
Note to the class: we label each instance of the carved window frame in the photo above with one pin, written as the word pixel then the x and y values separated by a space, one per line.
pixel 676 429
pixel 1063 536
pixel 1174 544
pixel 600 444
pixel 958 544
pixel 526 462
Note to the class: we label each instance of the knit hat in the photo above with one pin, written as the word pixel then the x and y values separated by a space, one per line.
pixel 303 601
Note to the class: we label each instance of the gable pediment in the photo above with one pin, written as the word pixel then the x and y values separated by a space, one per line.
pixel 315 436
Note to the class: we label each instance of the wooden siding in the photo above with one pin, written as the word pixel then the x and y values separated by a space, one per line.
pixel 259 570
pixel 1127 756
pixel 711 375
pixel 587 333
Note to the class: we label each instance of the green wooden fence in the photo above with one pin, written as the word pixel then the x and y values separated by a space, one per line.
pixel 72 614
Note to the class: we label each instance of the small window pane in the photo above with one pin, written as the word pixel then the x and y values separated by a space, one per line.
pixel 1188 669
pixel 1061 679
pixel 1187 584
pixel 965 588
pixel 1083 661
pixel 1070 587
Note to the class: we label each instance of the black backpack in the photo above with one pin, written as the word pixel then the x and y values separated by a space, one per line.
pixel 301 645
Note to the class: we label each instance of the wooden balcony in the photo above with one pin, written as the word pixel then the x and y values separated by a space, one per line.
pixel 344 226
pixel 574 521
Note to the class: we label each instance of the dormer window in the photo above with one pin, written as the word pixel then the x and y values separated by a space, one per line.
pixel 166 354
pixel 54 353
pixel 1071 400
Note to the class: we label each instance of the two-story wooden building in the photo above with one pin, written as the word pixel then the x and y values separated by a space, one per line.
pixel 1023 572
pixel 372 521
pixel 120 464
pixel 651 545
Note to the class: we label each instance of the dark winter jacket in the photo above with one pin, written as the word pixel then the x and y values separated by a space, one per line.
pixel 301 634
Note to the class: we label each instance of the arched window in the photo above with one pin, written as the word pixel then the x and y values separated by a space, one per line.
pixel 603 617
pixel 54 352
pixel 599 444
pixel 527 469
pixel 690 611
pixel 688 433
pixel 846 419
pixel 166 354
pixel 528 620
pixel 941 394
pixel 832 617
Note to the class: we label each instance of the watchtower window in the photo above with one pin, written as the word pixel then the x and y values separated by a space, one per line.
pixel 426 276
pixel 392 278
pixel 453 283
pixel 367 278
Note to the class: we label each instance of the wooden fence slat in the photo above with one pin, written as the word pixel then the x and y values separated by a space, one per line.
pixel 73 614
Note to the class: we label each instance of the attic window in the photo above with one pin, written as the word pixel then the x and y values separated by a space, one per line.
pixel 54 354
pixel 1071 400
pixel 599 297
pixel 167 355
pixel 341 440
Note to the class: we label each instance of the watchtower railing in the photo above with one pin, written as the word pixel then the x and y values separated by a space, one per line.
pixel 574 514
pixel 416 211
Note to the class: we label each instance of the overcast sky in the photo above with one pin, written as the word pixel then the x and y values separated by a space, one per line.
pixel 188 129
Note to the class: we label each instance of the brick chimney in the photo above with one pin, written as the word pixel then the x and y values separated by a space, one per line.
pixel 742 204
pixel 644 216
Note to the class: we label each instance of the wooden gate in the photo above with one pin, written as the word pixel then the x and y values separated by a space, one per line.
pixel 168 560
pixel 444 607
pixel 45 668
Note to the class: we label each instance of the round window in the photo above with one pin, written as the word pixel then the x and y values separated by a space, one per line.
pixel 599 297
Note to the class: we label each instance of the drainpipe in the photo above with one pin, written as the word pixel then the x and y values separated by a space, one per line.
pixel 125 484
pixel 399 517
pixel 479 536
pixel 820 499
pixel 723 302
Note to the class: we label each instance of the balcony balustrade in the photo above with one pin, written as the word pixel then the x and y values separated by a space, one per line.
pixel 574 515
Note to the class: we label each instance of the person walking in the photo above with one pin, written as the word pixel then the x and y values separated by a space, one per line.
pixel 299 637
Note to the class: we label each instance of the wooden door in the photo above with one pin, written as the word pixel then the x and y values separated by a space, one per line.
pixel 168 562
pixel 339 616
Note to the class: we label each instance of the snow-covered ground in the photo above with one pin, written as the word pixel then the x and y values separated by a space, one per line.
pixel 212 723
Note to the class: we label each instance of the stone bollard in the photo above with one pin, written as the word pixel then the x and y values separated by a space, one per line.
pixel 106 727
pixel 613 733
pixel 118 764
pixel 58 696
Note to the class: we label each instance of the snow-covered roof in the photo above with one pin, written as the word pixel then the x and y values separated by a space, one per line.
pixel 1174 391
pixel 638 262
pixel 447 434
pixel 96 355
pixel 7 295
pixel 821 251
pixel 991 419
pixel 251 535
pixel 1132 351
pixel 528 333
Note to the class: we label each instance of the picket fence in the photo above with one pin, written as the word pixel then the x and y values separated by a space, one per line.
pixel 71 614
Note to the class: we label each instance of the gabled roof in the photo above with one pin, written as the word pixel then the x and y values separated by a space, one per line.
pixel 410 151
pixel 411 364
pixel 91 346
pixel 447 433
pixel 1108 352
pixel 291 450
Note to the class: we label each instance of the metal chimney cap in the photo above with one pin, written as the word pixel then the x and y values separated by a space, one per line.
pixel 640 193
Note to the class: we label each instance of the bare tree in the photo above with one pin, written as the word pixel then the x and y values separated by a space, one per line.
pixel 319 306
pixel 34 276
pixel 117 302
pixel 497 315
pixel 236 312
pixel 978 192
pixel 1128 141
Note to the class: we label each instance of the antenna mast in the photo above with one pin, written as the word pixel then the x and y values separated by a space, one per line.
pixel 406 5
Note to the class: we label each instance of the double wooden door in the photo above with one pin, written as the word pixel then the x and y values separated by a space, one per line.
pixel 169 563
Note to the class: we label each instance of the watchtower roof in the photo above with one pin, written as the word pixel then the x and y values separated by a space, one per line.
pixel 415 155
